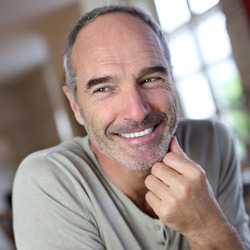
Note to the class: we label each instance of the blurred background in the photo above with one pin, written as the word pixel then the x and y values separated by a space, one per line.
pixel 210 46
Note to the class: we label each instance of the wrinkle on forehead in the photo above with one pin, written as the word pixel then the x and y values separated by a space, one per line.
pixel 109 24
pixel 116 39
pixel 114 29
pixel 105 52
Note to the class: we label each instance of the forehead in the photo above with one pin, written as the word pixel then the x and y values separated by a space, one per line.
pixel 117 38
pixel 111 24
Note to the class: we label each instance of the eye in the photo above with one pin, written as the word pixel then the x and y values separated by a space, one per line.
pixel 151 79
pixel 102 89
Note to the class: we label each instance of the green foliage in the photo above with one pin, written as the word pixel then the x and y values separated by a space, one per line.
pixel 235 114
pixel 233 92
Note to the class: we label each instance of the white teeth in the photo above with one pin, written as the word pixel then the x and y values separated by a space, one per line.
pixel 137 134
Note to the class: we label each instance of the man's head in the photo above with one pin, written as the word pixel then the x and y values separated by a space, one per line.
pixel 120 86
pixel 92 15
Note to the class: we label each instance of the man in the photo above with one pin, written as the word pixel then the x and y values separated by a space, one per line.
pixel 131 183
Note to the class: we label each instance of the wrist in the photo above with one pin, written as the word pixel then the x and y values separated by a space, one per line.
pixel 223 237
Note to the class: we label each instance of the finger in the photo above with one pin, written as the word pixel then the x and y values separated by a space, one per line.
pixel 183 166
pixel 175 151
pixel 166 174
pixel 178 184
pixel 152 199
pixel 163 209
pixel 177 159
pixel 175 147
pixel 156 186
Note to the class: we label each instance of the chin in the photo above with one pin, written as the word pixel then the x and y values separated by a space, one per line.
pixel 143 160
pixel 142 164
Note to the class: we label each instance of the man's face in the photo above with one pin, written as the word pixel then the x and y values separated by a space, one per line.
pixel 125 92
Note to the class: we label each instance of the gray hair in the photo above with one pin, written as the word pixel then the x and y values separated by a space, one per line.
pixel 92 15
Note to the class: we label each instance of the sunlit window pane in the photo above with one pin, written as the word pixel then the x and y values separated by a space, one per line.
pixel 200 6
pixel 213 38
pixel 230 97
pixel 196 97
pixel 185 59
pixel 172 14
pixel 226 83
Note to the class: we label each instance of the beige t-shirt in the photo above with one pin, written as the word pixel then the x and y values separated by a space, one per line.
pixel 62 199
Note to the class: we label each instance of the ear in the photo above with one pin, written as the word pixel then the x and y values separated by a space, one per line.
pixel 73 105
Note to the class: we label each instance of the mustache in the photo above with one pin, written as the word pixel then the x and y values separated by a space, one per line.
pixel 150 120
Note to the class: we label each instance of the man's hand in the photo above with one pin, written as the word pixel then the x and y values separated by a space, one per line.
pixel 180 195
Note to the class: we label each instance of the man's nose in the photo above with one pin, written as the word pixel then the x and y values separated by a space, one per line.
pixel 135 105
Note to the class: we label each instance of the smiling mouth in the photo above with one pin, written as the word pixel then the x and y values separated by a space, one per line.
pixel 137 134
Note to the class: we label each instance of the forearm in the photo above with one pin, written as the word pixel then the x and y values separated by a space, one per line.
pixel 224 237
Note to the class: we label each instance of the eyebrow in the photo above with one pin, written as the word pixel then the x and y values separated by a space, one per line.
pixel 154 69
pixel 145 71
pixel 95 81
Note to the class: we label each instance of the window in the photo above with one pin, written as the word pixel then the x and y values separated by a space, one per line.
pixel 200 6
pixel 207 79
pixel 167 10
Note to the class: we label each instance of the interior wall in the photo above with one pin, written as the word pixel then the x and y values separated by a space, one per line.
pixel 30 96
pixel 27 121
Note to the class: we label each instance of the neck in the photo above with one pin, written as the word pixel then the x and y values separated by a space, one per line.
pixel 131 182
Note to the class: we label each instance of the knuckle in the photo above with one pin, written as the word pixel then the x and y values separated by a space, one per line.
pixel 148 196
pixel 156 167
pixel 199 174
pixel 184 189
pixel 174 201
pixel 170 156
pixel 165 213
pixel 149 180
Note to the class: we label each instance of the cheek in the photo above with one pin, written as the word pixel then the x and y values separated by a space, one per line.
pixel 172 98
pixel 98 117
pixel 161 100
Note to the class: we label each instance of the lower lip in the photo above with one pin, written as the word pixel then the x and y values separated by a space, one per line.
pixel 142 139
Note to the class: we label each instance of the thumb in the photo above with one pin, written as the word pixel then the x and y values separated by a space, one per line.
pixel 175 147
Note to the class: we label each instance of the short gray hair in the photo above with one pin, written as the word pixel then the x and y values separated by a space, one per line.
pixel 92 15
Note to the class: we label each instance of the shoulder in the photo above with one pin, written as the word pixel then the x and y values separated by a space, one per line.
pixel 57 175
pixel 49 184
pixel 73 147
pixel 43 167
pixel 199 126
pixel 203 140
pixel 202 131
